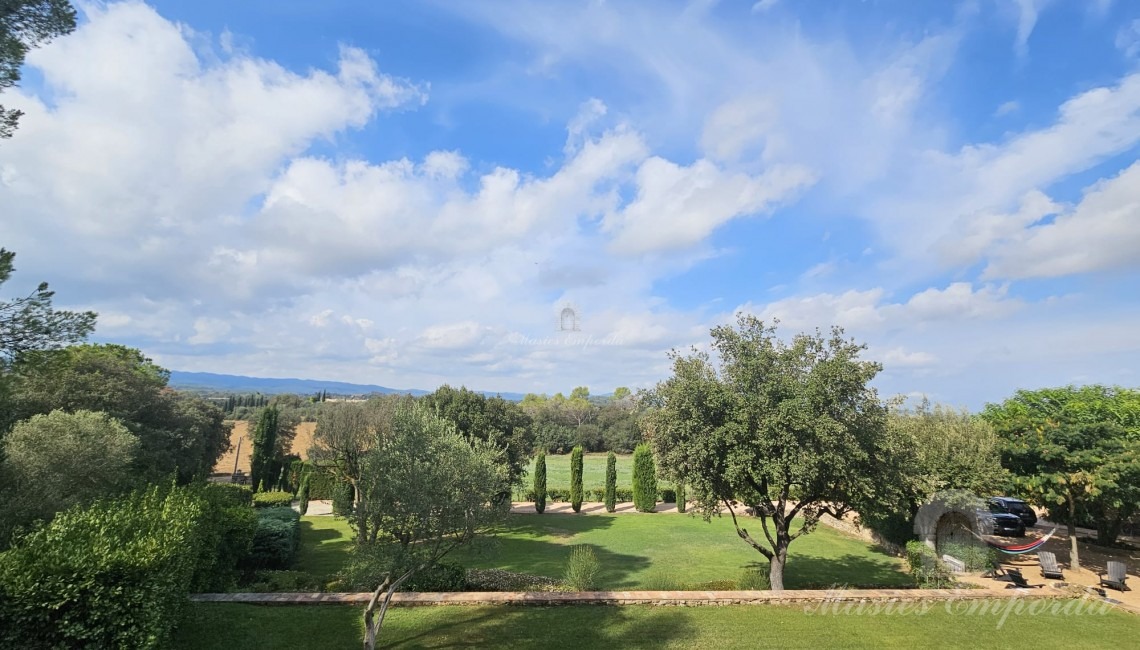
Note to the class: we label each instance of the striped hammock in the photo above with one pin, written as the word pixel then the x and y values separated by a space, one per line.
pixel 1018 549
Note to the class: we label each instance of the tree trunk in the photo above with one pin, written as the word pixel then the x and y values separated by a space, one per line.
pixel 776 568
pixel 372 627
pixel 1074 558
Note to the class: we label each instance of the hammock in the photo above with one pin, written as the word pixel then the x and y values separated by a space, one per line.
pixel 1018 549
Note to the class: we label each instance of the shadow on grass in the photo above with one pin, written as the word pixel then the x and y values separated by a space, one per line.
pixel 854 571
pixel 598 626
pixel 323 551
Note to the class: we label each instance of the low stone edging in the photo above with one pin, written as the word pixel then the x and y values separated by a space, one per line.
pixel 675 598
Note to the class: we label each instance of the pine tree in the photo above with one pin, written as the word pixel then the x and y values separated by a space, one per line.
pixel 540 483
pixel 576 479
pixel 644 479
pixel 611 482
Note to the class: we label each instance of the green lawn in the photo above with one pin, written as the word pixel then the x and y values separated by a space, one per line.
pixel 660 551
pixel 593 472
pixel 225 626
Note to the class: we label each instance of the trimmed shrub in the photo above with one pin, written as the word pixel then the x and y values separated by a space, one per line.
pixel 275 499
pixel 322 483
pixel 445 576
pixel 276 539
pixel 500 580
pixel 582 568
pixel 609 496
pixel 927 570
pixel 539 494
pixel 644 479
pixel 754 580
pixel 976 557
pixel 576 479
pixel 682 502
pixel 667 495
pixel 226 533
pixel 342 500
pixel 303 493
pixel 114 574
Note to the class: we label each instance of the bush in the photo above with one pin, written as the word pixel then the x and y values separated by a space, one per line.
pixel 276 539
pixel 303 494
pixel 682 500
pixel 609 496
pixel 114 574
pixel 582 568
pixel 925 567
pixel 576 479
pixel 976 557
pixel 227 530
pixel 273 499
pixel 343 498
pixel 270 581
pixel 667 495
pixel 644 479
pixel 322 483
pixel 754 580
pixel 500 580
pixel 539 494
pixel 445 576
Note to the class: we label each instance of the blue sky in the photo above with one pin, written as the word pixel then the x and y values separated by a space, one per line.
pixel 409 193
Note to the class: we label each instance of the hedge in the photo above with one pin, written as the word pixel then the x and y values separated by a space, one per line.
pixel 928 571
pixel 275 499
pixel 576 492
pixel 276 539
pixel 539 491
pixel 644 479
pixel 113 574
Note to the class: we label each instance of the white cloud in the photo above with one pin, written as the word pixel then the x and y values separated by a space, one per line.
pixel 764 5
pixel 1007 108
pixel 208 330
pixel 1027 14
pixel 1101 233
pixel 1128 39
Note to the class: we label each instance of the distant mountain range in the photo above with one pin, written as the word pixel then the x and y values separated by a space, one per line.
pixel 208 382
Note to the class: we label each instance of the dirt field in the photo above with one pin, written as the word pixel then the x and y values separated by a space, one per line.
pixel 225 465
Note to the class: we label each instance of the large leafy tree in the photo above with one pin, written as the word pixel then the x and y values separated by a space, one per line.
pixel 494 420
pixel 1074 450
pixel 426 491
pixel 25 24
pixel 346 432
pixel 791 430
pixel 177 433
pixel 55 461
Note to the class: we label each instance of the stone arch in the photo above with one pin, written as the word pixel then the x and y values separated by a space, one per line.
pixel 949 515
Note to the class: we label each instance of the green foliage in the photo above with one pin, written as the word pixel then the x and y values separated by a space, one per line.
pixel 60 460
pixel 501 580
pixel 928 571
pixel 777 423
pixel 576 479
pixel 114 574
pixel 303 493
pixel 443 576
pixel 264 454
pixel 276 539
pixel 226 532
pixel 582 568
pixel 275 499
pixel 1072 449
pixel 322 483
pixel 754 580
pixel 491 419
pixel 644 479
pixel 540 483
pixel 667 495
pixel 976 557
pixel 342 501
pixel 177 433
pixel 609 496
pixel 682 498
pixel 272 580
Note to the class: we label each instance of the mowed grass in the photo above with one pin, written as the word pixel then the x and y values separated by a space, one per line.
pixel 638 551
pixel 593 472
pixel 224 625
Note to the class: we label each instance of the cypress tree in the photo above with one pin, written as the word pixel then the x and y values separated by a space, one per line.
pixel 540 483
pixel 264 445
pixel 576 479
pixel 681 506
pixel 611 482
pixel 303 493
pixel 644 479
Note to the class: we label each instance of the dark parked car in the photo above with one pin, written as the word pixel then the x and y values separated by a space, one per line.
pixel 1000 523
pixel 1013 506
